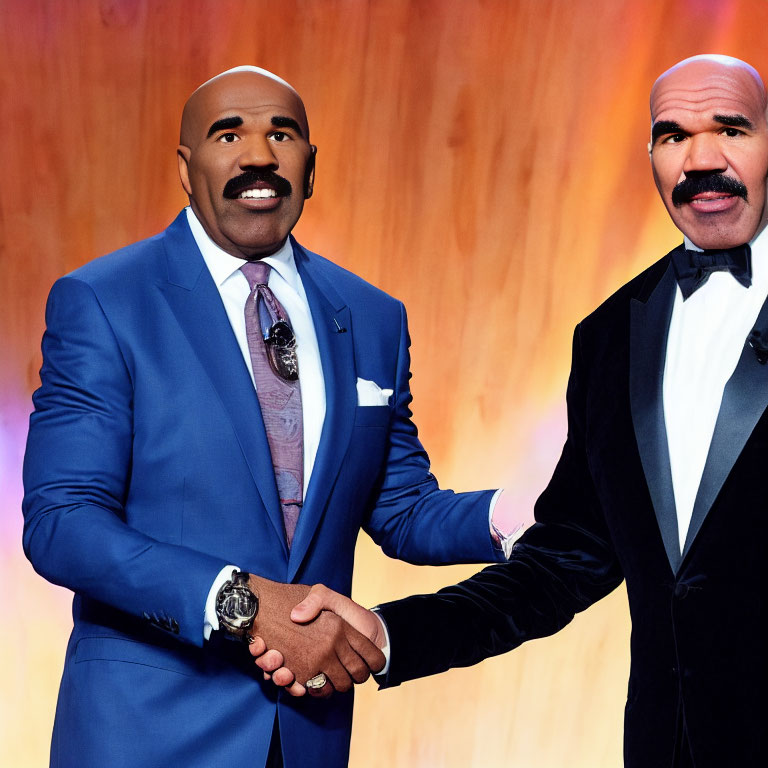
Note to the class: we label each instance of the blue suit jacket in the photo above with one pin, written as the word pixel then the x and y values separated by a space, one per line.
pixel 148 470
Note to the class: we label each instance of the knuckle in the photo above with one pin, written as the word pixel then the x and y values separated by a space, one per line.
pixel 282 677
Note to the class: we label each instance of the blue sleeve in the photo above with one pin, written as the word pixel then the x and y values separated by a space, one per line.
pixel 413 519
pixel 77 472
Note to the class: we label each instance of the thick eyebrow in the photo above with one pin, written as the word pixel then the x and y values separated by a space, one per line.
pixel 225 123
pixel 735 121
pixel 663 127
pixel 280 121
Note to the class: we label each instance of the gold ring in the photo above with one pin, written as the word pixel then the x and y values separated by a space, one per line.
pixel 317 682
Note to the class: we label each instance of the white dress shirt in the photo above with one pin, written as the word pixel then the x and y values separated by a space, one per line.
pixel 705 341
pixel 285 283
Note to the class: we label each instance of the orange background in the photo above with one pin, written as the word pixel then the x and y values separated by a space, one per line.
pixel 483 160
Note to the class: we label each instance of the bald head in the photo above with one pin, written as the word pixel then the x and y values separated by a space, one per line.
pixel 713 72
pixel 254 70
pixel 709 149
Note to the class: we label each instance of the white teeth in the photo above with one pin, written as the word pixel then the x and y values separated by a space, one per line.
pixel 258 193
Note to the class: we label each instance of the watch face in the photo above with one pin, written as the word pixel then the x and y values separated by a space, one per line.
pixel 239 604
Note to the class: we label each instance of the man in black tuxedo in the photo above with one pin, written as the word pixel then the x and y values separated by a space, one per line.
pixel 662 478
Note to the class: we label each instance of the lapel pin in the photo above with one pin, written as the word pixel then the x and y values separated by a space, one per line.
pixel 339 329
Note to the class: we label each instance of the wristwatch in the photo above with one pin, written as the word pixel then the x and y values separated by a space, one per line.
pixel 236 605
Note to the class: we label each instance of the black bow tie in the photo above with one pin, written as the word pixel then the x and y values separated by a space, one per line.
pixel 693 268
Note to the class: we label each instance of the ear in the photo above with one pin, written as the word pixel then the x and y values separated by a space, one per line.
pixel 309 174
pixel 182 155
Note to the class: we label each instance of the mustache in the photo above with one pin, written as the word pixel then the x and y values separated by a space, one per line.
pixel 695 184
pixel 248 178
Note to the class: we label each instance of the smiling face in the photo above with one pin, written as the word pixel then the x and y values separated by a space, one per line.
pixel 709 149
pixel 246 162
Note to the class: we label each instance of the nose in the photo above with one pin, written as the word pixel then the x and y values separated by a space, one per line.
pixel 256 152
pixel 704 154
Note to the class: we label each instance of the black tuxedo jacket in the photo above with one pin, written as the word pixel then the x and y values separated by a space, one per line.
pixel 698 619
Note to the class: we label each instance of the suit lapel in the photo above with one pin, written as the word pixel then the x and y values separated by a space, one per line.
pixel 649 326
pixel 195 301
pixel 745 398
pixel 333 327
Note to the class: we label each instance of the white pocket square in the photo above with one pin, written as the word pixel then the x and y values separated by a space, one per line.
pixel 370 393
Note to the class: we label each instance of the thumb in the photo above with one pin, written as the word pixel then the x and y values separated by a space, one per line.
pixel 319 598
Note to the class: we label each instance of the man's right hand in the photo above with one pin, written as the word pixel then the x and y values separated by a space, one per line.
pixel 322 642
pixel 321 604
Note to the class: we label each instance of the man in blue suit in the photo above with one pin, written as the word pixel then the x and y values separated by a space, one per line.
pixel 150 479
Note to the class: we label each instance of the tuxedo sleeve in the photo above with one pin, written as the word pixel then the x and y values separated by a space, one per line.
pixel 562 565
pixel 77 471
pixel 413 519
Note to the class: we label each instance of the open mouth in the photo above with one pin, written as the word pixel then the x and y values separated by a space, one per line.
pixel 713 202
pixel 257 185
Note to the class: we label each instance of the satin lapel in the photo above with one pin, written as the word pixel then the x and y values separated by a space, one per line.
pixel 649 326
pixel 745 398
pixel 333 328
pixel 195 301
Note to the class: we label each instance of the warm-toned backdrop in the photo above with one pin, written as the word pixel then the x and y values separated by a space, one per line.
pixel 483 160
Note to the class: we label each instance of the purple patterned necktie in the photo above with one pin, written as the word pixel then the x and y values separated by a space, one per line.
pixel 279 398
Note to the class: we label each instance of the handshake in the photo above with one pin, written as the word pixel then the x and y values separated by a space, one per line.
pixel 313 639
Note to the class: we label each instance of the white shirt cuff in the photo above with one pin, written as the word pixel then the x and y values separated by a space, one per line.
pixel 385 649
pixel 505 540
pixel 210 619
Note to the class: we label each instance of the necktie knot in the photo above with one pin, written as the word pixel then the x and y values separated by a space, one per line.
pixel 693 268
pixel 256 272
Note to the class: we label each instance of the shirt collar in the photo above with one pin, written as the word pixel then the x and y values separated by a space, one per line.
pixel 223 265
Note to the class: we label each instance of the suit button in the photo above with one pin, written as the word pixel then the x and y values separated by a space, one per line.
pixel 681 590
pixel 147 616
pixel 175 626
